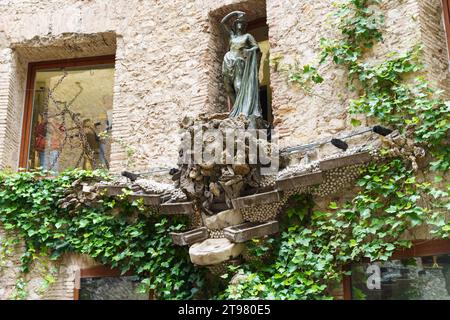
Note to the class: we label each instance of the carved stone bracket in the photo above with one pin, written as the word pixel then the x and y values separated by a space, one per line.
pixel 149 199
pixel 214 251
pixel 250 230
pixel 189 237
pixel 257 199
pixel 183 208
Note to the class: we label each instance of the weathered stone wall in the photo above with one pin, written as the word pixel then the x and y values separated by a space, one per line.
pixel 433 38
pixel 61 274
pixel 168 58
pixel 300 116
pixel 168 62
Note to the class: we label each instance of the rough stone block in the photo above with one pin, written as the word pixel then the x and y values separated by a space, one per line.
pixel 223 219
pixel 214 251
pixel 149 199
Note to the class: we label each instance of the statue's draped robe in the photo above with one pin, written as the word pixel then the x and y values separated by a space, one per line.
pixel 247 100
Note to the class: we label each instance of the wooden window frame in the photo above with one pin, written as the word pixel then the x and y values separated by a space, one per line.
pixel 100 271
pixel 420 248
pixel 446 13
pixel 29 93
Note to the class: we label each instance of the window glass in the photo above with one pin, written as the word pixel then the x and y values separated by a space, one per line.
pixel 71 118
pixel 421 278
pixel 111 288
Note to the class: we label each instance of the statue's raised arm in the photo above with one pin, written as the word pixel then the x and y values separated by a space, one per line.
pixel 224 22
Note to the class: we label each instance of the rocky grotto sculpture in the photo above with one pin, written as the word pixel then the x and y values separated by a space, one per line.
pixel 226 196
pixel 240 68
pixel 228 205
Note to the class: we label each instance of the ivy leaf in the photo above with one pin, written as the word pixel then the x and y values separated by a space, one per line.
pixel 365 213
pixel 391 209
pixel 83 223
pixel 437 179
pixel 355 122
pixel 333 205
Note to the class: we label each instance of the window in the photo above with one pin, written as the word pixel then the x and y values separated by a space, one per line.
pixel 446 9
pixel 102 283
pixel 68 112
pixel 419 273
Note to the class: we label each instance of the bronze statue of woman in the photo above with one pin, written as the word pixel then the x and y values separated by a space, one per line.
pixel 240 68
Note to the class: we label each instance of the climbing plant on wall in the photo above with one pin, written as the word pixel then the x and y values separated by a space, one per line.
pixel 315 247
pixel 118 233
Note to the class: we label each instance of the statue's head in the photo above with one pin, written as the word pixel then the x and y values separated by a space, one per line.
pixel 240 25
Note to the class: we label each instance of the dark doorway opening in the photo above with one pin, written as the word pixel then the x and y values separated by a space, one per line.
pixel 260 31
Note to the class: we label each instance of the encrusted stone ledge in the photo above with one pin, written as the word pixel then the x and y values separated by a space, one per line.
pixel 214 251
pixel 345 161
pixel 304 180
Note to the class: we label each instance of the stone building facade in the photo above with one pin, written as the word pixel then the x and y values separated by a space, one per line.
pixel 168 58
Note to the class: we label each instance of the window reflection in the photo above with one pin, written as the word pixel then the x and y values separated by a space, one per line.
pixel 111 288
pixel 420 278
pixel 72 110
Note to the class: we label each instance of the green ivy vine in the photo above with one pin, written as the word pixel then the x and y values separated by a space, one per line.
pixel 106 232
pixel 315 246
